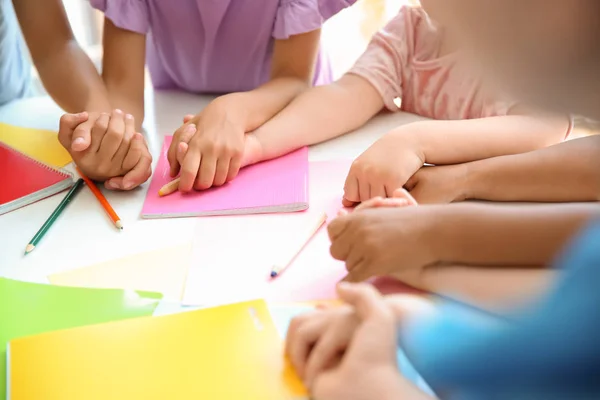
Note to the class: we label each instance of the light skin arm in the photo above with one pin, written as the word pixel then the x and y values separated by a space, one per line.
pixel 564 172
pixel 292 70
pixel 210 148
pixel 123 69
pixel 460 141
pixel 66 71
pixel 489 288
pixel 319 114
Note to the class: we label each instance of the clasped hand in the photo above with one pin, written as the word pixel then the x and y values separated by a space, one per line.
pixel 210 148
pixel 107 148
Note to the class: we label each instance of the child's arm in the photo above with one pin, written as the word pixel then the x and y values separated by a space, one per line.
pixel 317 115
pixel 216 135
pixel 123 69
pixel 372 241
pixel 390 162
pixel 323 111
pixel 565 172
pixel 489 288
pixel 65 70
pixel 453 142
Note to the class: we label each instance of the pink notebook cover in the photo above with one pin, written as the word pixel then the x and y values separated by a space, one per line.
pixel 279 185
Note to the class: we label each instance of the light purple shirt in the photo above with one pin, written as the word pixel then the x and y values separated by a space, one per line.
pixel 218 46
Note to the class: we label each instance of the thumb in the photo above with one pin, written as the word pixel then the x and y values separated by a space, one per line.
pixel 364 298
pixel 68 123
pixel 82 136
pixel 182 149
pixel 403 194
pixel 187 118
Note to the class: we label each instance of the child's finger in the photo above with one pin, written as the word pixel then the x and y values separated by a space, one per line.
pixel 206 174
pixel 189 169
pixel 304 339
pixel 341 212
pixel 134 153
pixel 113 137
pixel 187 118
pixel 347 203
pixel 234 168
pixel 403 194
pixel 364 189
pixel 221 172
pixel 98 131
pixel 377 190
pixel 68 124
pixel 351 191
pixel 182 150
pixel 142 170
pixel 372 203
pixel 123 150
pixel 183 135
pixel 364 298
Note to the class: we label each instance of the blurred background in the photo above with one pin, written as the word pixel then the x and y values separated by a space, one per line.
pixel 345 35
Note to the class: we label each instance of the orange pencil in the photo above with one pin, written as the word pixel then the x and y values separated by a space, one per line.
pixel 169 188
pixel 105 204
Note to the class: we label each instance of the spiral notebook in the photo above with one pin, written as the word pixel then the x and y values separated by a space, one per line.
pixel 24 180
pixel 274 186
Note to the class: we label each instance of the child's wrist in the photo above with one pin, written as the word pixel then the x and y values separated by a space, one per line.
pixel 471 187
pixel 414 139
pixel 232 107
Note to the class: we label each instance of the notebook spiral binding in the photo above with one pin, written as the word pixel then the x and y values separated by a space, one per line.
pixel 63 172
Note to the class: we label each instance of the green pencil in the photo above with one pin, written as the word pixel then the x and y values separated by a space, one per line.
pixel 63 204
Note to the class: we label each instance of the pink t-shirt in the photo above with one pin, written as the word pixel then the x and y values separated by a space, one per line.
pixel 402 63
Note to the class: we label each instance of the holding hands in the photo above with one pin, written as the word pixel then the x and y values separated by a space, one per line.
pixel 106 147
pixel 384 167
pixel 210 148
pixel 385 237
pixel 350 352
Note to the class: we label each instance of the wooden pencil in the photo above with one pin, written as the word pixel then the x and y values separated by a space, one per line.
pixel 169 188
pixel 103 202
pixel 279 268
pixel 50 221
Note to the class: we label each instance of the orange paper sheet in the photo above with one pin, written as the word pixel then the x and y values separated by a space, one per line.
pixel 164 271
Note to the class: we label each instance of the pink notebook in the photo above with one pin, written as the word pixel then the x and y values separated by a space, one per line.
pixel 275 186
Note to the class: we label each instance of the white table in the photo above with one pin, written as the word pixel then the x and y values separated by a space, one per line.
pixel 84 235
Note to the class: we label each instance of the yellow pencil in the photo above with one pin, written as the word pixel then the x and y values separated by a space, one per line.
pixel 279 268
pixel 169 188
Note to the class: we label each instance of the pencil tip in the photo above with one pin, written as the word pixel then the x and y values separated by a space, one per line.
pixel 119 224
pixel 29 249
pixel 273 274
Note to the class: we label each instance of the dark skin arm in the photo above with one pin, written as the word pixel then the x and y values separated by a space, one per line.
pixel 59 59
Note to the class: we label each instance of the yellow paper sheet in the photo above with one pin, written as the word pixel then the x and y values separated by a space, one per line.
pixel 39 144
pixel 224 353
pixel 163 271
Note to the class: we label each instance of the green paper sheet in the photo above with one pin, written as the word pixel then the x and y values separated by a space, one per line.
pixel 30 309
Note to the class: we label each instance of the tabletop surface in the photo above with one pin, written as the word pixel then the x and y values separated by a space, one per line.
pixel 84 235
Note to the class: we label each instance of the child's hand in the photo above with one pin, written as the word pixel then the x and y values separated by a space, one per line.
pixel 315 340
pixel 443 184
pixel 366 367
pixel 116 153
pixel 385 241
pixel 383 168
pixel 215 150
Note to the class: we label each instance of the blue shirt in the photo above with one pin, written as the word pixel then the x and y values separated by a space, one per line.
pixel 551 351
pixel 15 66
